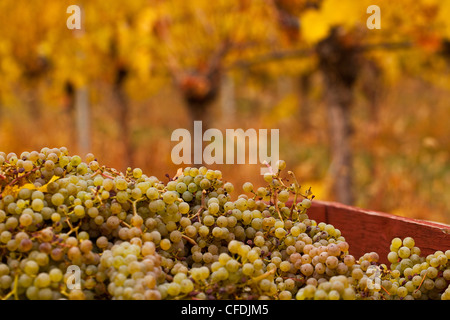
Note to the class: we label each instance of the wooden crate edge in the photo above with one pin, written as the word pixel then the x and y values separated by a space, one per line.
pixel 428 223
pixel 368 231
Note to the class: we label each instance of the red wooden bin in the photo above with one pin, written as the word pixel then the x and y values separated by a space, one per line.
pixel 367 231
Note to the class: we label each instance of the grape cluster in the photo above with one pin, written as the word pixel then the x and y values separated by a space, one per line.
pixel 414 277
pixel 131 236
pixel 58 213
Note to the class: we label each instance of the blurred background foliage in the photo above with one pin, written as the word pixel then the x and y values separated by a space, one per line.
pixel 363 113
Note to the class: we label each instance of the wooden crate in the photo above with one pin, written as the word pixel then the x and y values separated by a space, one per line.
pixel 368 231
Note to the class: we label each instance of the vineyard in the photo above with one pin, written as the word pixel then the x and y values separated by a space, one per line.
pixel 352 95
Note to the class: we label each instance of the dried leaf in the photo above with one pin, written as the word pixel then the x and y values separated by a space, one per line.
pixel 44 187
pixel 14 189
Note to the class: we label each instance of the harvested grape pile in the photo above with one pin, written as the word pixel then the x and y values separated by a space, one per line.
pixel 80 230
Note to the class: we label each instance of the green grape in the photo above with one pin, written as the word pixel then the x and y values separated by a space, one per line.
pixel 171 185
pixel 108 184
pixel 37 204
pixel 181 187
pixel 285 266
pixel 25 281
pixel 396 243
pixel 409 242
pixel 56 275
pixel 393 257
pixel 5 281
pixel 205 184
pixel 173 289
pixel 24 194
pixel 264 284
pixel 42 280
pixel 285 295
pixel 280 233
pixel 63 161
pixel 228 187
pixel 57 199
pixel 75 160
pixel 31 268
pixel 169 197
pixel 137 173
pixel 217 232
pixel 192 187
pixel 209 174
pixel 404 252
pixel 136 193
pixel 203 231
pixel 122 196
pixel 402 292
pixel 82 168
pixel 79 211
pixel 165 244
pixel 283 196
pixel 268 177
pixel 175 236
pixel 213 208
pixel 247 187
pixel 183 207
pixel 248 269
pixel 306 203
pixel 32 293
pixel 187 196
pixel 121 184
pixel 209 220
pixel 25 219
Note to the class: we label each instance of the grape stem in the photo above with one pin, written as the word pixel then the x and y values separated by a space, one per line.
pixel 72 229
pixel 198 213
pixel 16 282
pixel 190 240
pixel 64 292
pixel 103 174
pixel 297 191
pixel 22 176
pixel 268 166
pixel 133 203
pixel 275 201
pixel 126 224
pixel 385 289
pixel 292 278
pixel 179 173
pixel 114 171
pixel 421 281
pixel 203 207
pixel 263 276
pixel 14 290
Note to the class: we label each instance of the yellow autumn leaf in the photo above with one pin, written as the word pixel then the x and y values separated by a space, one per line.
pixel 285 109
pixel 44 187
pixel 11 190
pixel 14 189
pixel 314 26
pixel 443 20
pixel 343 12
pixel 320 188
pixel 29 186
